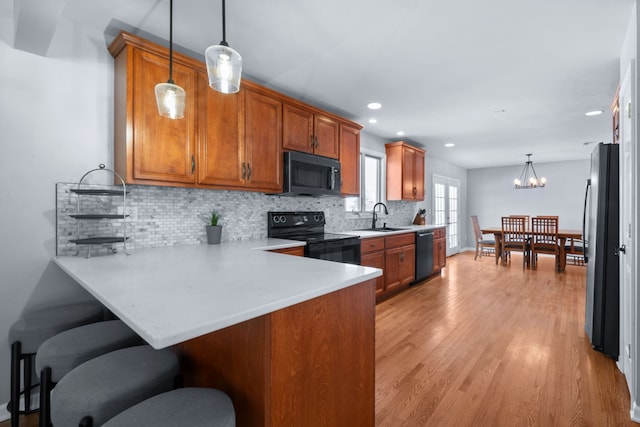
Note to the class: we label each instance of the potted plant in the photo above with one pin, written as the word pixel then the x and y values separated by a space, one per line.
pixel 214 231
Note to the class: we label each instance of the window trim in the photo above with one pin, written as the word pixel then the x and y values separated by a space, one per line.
pixel 364 152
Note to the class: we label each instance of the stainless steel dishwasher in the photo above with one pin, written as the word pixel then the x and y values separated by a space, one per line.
pixel 424 254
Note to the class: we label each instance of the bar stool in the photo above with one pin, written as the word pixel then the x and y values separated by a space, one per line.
pixel 183 407
pixel 61 353
pixel 104 386
pixel 31 330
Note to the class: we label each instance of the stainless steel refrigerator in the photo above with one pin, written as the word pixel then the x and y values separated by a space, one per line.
pixel 600 226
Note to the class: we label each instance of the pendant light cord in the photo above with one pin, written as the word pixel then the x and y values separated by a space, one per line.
pixel 170 42
pixel 224 26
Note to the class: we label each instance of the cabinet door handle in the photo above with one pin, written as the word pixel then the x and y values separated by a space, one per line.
pixel 244 170
pixel 401 256
pixel 248 171
pixel 193 164
pixel 312 141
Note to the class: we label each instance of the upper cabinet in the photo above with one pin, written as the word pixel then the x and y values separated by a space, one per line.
pixel 220 136
pixel 263 133
pixel 309 131
pixel 149 147
pixel 225 141
pixel 405 172
pixel 350 159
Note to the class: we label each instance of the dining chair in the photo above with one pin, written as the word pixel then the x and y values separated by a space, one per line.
pixel 526 220
pixel 514 238
pixel 574 250
pixel 482 245
pixel 544 239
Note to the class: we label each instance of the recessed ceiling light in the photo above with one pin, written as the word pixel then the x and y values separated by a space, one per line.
pixel 594 113
pixel 449 144
pixel 400 133
pixel 374 106
pixel 372 120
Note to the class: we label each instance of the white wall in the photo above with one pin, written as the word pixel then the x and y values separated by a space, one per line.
pixel 56 121
pixel 491 194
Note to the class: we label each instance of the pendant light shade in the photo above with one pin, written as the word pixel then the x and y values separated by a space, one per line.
pixel 528 177
pixel 171 99
pixel 169 96
pixel 224 65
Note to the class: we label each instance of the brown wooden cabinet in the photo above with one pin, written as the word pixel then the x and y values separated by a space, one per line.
pixel 220 136
pixel 350 159
pixel 263 155
pixel 396 256
pixel 372 255
pixel 150 148
pixel 405 172
pixel 297 251
pixel 439 249
pixel 309 131
pixel 225 141
pixel 309 364
pixel 400 261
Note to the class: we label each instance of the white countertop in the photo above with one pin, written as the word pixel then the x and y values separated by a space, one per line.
pixel 401 229
pixel 172 294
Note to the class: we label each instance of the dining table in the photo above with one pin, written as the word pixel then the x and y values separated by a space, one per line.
pixel 563 236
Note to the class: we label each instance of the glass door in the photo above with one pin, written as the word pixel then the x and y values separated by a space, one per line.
pixel 446 209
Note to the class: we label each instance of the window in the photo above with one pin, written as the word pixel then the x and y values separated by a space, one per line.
pixel 372 169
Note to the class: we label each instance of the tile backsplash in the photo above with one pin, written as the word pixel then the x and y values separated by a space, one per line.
pixel 176 216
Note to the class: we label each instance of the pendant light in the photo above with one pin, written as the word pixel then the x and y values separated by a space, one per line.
pixel 528 177
pixel 169 96
pixel 224 65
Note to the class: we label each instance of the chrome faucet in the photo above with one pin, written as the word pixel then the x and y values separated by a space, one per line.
pixel 375 216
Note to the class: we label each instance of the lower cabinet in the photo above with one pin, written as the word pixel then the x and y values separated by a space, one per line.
pixel 439 249
pixel 372 255
pixel 297 251
pixel 396 256
pixel 400 261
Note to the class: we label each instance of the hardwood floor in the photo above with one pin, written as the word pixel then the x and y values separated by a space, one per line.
pixel 486 345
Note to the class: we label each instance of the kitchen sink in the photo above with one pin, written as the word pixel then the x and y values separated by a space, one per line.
pixel 383 229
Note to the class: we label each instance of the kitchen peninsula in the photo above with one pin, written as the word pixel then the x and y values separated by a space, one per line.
pixel 290 339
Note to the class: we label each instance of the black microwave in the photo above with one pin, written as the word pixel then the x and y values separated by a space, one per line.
pixel 310 175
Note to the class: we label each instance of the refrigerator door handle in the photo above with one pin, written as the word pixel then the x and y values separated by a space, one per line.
pixel 584 222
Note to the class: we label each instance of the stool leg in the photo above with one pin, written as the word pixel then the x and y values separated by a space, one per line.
pixel 15 383
pixel 28 368
pixel 45 397
pixel 86 422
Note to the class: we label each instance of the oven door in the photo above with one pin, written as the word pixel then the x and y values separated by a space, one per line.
pixel 344 250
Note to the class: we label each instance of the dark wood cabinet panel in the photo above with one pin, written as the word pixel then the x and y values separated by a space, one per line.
pixel 309 131
pixel 153 148
pixel 220 137
pixel 350 159
pixel 405 172
pixel 263 133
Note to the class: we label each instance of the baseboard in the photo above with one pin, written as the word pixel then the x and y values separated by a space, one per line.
pixel 635 412
pixel 4 414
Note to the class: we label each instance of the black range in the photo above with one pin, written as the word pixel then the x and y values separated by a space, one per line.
pixel 309 227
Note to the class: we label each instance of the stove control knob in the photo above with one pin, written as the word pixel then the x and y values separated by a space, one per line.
pixel 318 218
pixel 283 219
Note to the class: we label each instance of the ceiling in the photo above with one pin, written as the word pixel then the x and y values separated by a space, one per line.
pixel 498 78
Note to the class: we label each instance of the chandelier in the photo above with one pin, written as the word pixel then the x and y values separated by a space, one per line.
pixel 528 177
